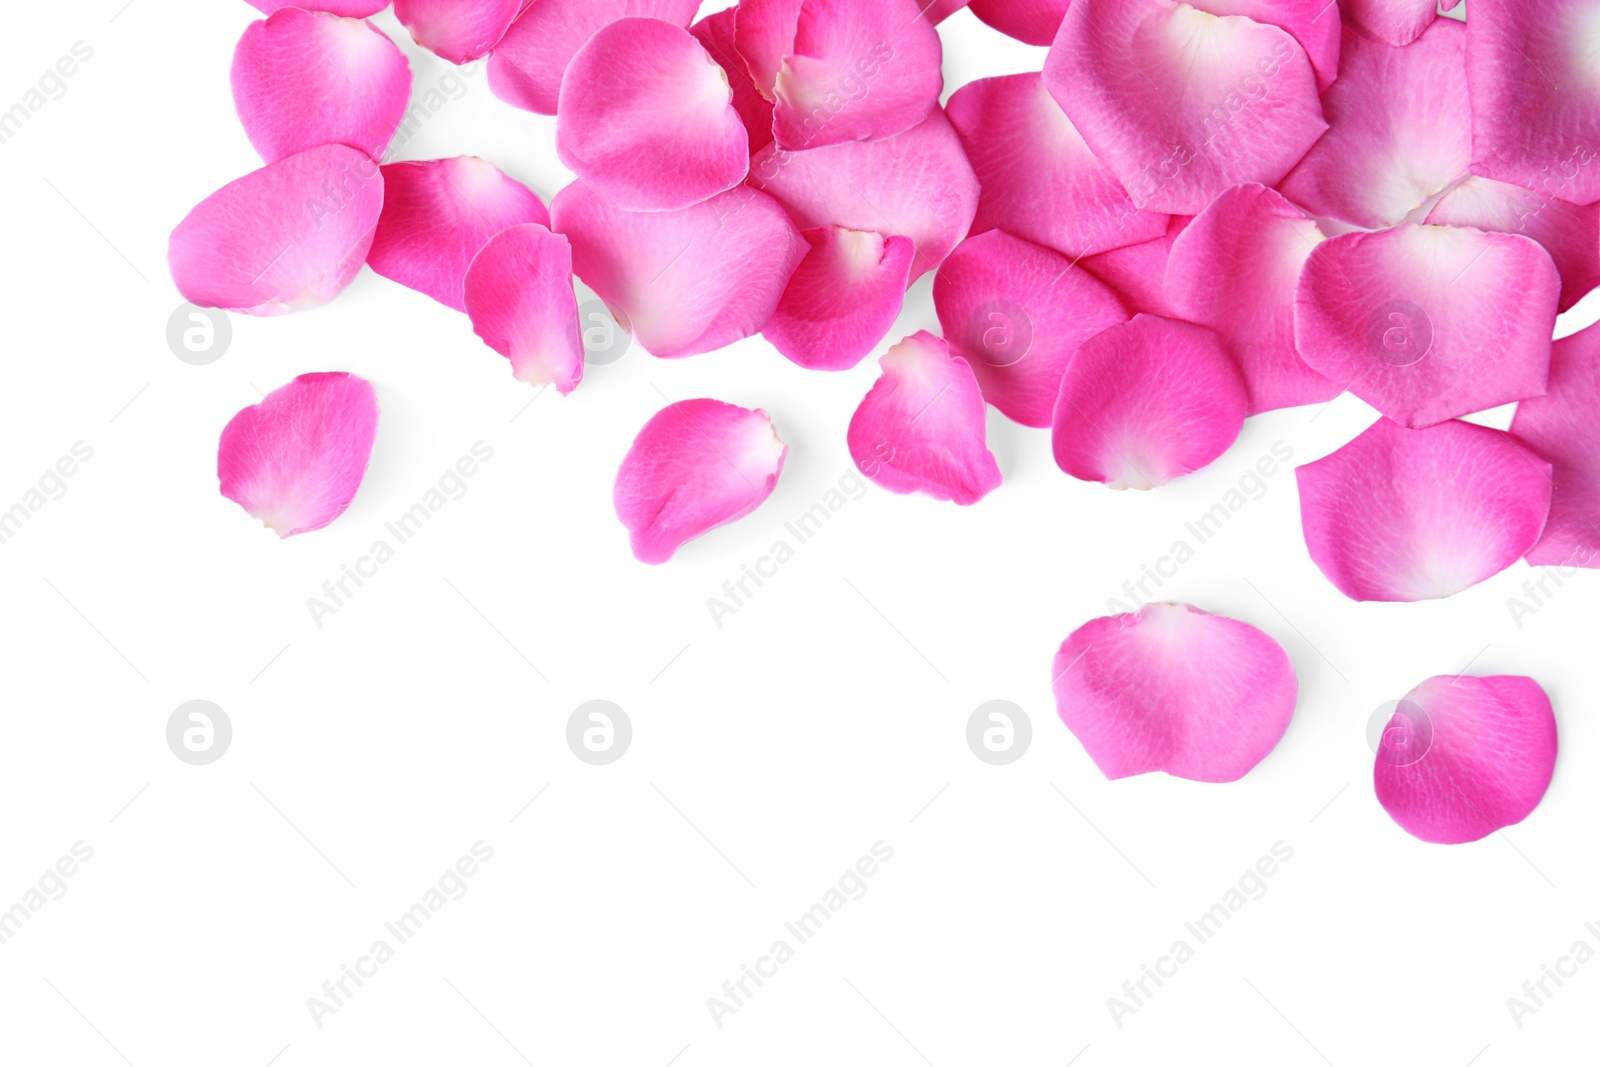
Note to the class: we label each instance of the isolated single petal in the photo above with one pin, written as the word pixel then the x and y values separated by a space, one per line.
pixel 1563 427
pixel 1235 269
pixel 1472 756
pixel 1429 322
pixel 457 30
pixel 1175 689
pixel 1037 179
pixel 355 9
pixel 921 428
pixel 1017 312
pixel 715 33
pixel 284 238
pixel 301 80
pixel 1394 22
pixel 1179 103
pixel 842 299
pixel 1406 515
pixel 689 281
pixel 1029 21
pixel 696 465
pixel 296 459
pixel 438 214
pixel 518 292
pixel 1135 272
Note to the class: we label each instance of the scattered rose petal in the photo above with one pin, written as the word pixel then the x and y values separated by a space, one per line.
pixel 457 30
pixel 936 11
pixel 1563 427
pixel 1312 23
pixel 1135 272
pixel 354 9
pixel 1394 22
pixel 842 299
pixel 715 33
pixel 1029 21
pixel 518 292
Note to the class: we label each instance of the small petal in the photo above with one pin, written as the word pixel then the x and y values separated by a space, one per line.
pixel 518 292
pixel 1135 273
pixel 843 298
pixel 696 465
pixel 1029 21
pixel 353 9
pixel 1563 427
pixel 921 428
pixel 1407 515
pixel 457 30
pixel 296 459
pixel 1174 689
pixel 1394 22
pixel 715 33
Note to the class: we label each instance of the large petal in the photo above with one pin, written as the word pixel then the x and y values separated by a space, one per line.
pixel 1235 269
pixel 287 237
pixel 518 292
pixel 1029 21
pixel 1175 689
pixel 458 30
pixel 1146 401
pixel 696 465
pixel 1037 179
pixel 1406 515
pixel 1429 322
pixel 1179 103
pixel 296 459
pixel 354 9
pixel 843 298
pixel 1135 272
pixel 921 428
pixel 302 80
pixel 1564 428
pixel 689 281
pixel 1017 312
pixel 715 33
pixel 1464 756
pixel 438 214
pixel 1395 22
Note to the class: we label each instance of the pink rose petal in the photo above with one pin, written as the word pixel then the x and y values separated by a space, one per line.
pixel 1136 272
pixel 1174 689
pixel 457 30
pixel 518 292
pixel 1313 23
pixel 1029 21
pixel 1563 427
pixel 936 11
pixel 1394 22
pixel 296 459
pixel 715 33
pixel 354 9
pixel 842 299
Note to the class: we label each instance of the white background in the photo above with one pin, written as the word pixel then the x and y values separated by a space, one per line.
pixel 768 755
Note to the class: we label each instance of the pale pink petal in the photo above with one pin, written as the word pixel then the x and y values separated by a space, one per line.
pixel 1235 269
pixel 715 33
pixel 1017 312
pixel 1563 427
pixel 518 292
pixel 1313 23
pixel 921 428
pixel 1179 103
pixel 1135 272
pixel 527 65
pixel 296 459
pixel 1429 322
pixel 457 30
pixel 842 299
pixel 1146 401
pixel 1394 22
pixel 646 118
pixel 354 9
pixel 1406 515
pixel 1175 689
pixel 285 238
pixel 688 281
pixel 1464 757
pixel 438 214
pixel 917 184
pixel 1037 178
pixel 696 465
pixel 1029 21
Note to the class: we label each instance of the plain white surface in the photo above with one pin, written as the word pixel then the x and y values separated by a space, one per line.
pixel 768 755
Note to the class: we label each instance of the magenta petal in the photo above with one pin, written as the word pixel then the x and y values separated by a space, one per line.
pixel 457 30
pixel 936 11
pixel 1407 515
pixel 688 281
pixel 437 216
pixel 1313 23
pixel 296 459
pixel 1463 757
pixel 1017 312
pixel 1429 322
pixel 921 428
pixel 353 9
pixel 842 299
pixel 1146 401
pixel 518 292
pixel 284 238
pixel 1029 21
pixel 1174 689
pixel 715 33
pixel 1136 272
pixel 1563 427
pixel 1394 22
pixel 696 465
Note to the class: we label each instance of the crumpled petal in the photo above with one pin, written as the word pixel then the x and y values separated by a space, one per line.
pixel 1394 22
pixel 438 214
pixel 1017 312
pixel 689 281
pixel 301 80
pixel 526 67
pixel 1429 322
pixel 1235 269
pixel 296 459
pixel 1469 756
pixel 1563 427
pixel 1146 401
pixel 656 132
pixel 921 428
pixel 284 238
pixel 696 465
pixel 715 33
pixel 1037 179
pixel 1032 22
pixel 842 299
pixel 1135 273
pixel 518 292
pixel 1398 133
pixel 1407 515
pixel 1175 689
pixel 916 184
pixel 457 30
pixel 353 9
pixel 1180 104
